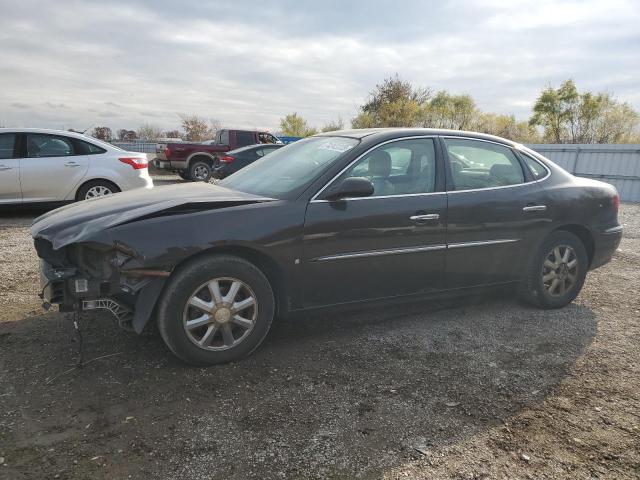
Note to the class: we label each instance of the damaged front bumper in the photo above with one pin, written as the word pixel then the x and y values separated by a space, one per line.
pixel 99 283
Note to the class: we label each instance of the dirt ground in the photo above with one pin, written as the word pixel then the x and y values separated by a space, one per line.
pixel 474 389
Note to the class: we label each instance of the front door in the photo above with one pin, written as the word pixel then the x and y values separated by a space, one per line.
pixel 9 169
pixel 496 213
pixel 51 168
pixel 389 244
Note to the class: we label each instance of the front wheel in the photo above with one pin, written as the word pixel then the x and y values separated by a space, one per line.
pixel 556 274
pixel 215 310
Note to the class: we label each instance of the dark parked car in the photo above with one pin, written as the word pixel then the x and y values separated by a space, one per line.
pixel 338 218
pixel 236 159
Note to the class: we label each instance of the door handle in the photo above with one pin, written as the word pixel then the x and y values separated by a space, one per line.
pixel 422 218
pixel 534 208
pixel 71 164
pixel 4 167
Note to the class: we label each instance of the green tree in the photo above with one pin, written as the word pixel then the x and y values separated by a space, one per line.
pixel 393 103
pixel 333 126
pixel 568 116
pixel 294 125
pixel 506 126
pixel 444 110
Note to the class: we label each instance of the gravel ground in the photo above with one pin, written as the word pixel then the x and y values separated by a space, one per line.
pixel 481 388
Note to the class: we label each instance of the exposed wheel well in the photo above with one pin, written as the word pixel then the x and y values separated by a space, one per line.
pixel 83 184
pixel 200 158
pixel 263 262
pixel 585 237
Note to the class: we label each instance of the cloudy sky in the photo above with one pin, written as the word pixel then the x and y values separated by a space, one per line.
pixel 68 64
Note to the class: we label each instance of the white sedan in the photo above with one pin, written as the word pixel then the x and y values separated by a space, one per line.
pixel 39 165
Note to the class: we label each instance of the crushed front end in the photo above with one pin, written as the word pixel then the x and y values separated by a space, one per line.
pixel 89 276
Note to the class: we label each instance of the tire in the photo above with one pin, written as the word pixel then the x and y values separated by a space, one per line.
pixel 96 188
pixel 545 271
pixel 200 171
pixel 176 310
pixel 183 174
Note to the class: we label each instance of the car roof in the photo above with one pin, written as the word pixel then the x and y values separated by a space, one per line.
pixel 389 133
pixel 50 131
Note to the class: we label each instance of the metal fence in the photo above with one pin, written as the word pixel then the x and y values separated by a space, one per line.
pixel 618 165
pixel 137 146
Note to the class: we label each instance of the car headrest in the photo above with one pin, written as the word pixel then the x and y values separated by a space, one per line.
pixel 380 164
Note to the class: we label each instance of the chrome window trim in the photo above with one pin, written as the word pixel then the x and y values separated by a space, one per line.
pixel 444 137
pixel 427 248
pixel 314 199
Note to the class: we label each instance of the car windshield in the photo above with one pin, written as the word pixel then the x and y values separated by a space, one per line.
pixel 286 172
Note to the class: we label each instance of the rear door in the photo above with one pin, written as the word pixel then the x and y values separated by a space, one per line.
pixel 9 169
pixel 51 168
pixel 497 213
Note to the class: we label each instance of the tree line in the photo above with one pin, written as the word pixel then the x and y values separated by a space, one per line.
pixel 193 128
pixel 560 115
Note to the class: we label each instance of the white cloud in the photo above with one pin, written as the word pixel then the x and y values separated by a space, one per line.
pixel 127 64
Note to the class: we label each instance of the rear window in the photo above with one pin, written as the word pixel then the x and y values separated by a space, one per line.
pixel 536 169
pixel 245 138
pixel 86 148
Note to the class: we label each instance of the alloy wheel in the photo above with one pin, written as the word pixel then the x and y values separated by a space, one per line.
pixel 220 314
pixel 200 173
pixel 97 191
pixel 560 270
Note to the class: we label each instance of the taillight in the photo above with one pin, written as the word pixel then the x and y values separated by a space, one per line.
pixel 167 152
pixel 616 202
pixel 136 162
pixel 227 158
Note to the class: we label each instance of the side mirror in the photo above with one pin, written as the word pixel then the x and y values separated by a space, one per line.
pixel 350 187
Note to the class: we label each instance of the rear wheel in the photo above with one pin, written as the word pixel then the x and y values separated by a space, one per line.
pixel 200 171
pixel 556 274
pixel 215 310
pixel 95 189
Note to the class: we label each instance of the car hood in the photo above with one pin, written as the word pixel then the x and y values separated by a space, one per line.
pixel 79 221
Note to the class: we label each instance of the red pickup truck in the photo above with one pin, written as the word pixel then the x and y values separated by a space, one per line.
pixel 195 161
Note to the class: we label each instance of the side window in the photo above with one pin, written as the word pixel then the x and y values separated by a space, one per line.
pixel 7 145
pixel 398 168
pixel 266 138
pixel 86 148
pixel 222 137
pixel 244 138
pixel 43 145
pixel 476 164
pixel 537 170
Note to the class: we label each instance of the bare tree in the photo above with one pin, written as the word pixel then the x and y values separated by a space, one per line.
pixel 102 133
pixel 125 135
pixel 197 129
pixel 148 131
